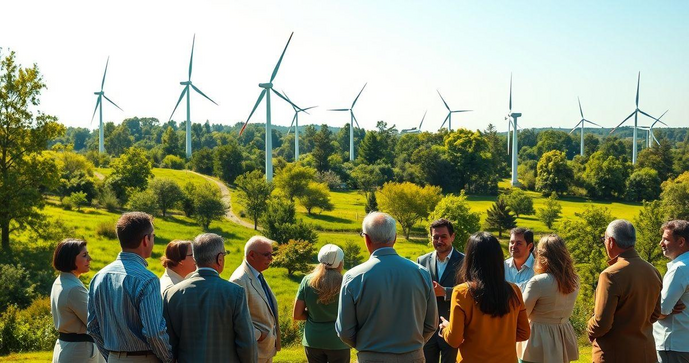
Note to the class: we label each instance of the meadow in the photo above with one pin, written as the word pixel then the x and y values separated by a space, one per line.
pixel 338 226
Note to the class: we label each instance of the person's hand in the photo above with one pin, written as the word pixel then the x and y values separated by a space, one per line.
pixel 443 324
pixel 439 290
pixel 263 336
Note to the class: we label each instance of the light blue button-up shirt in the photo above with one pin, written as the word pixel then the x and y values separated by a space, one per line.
pixel 672 333
pixel 125 309
pixel 522 276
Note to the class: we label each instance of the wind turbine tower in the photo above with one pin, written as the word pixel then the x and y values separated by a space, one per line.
pixel 513 116
pixel 295 123
pixel 582 122
pixel 99 106
pixel 352 120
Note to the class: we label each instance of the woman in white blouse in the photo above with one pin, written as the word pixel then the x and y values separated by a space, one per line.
pixel 178 262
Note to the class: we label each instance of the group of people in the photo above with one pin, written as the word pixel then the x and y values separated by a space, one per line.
pixel 447 306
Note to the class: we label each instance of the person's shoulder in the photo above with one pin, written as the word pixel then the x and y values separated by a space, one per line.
pixel 239 273
pixel 462 289
pixel 425 257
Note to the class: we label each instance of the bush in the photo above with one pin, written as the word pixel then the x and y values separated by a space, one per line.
pixel 107 230
pixel 79 199
pixel 107 199
pixel 329 177
pixel 66 203
pixel 144 201
pixel 27 330
pixel 352 254
pixel 519 202
pixel 208 205
pixel 291 332
pixel 15 286
pixel 294 256
pixel 280 224
pixel 172 162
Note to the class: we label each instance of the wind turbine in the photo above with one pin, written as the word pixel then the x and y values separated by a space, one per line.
pixel 352 120
pixel 415 130
pixel 636 119
pixel 267 87
pixel 513 116
pixel 295 123
pixel 99 105
pixel 448 119
pixel 650 137
pixel 187 92
pixel 582 123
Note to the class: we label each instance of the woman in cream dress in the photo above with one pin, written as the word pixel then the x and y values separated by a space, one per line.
pixel 549 298
pixel 178 262
pixel 68 300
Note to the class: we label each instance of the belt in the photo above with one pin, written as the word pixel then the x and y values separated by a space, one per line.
pixel 74 337
pixel 132 354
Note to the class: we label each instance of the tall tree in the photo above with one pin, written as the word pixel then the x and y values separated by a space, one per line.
pixel 24 172
pixel 253 193
pixel 171 143
pixel 322 148
pixel 227 161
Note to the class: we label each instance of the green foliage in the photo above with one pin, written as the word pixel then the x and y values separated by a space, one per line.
pixel 187 202
pixel 107 198
pixel 520 202
pixel 31 329
pixel 643 184
pixel 280 224
pixel 658 158
pixel 500 217
pixel 555 140
pixel 456 209
pixel 78 199
pixel 408 203
pixel 208 205
pixel 554 175
pixel 106 230
pixel 317 195
pixel 76 174
pixel 15 286
pixel 131 171
pixel 227 161
pixel 526 174
pixel 367 178
pixel 293 180
pixel 322 148
pixel 648 233
pixel 605 176
pixel 66 203
pixel 118 141
pixel 675 197
pixel 144 201
pixel 352 254
pixel 24 171
pixel 172 162
pixel 371 203
pixel 253 192
pixel 166 192
pixel 551 211
pixel 469 153
pixel 202 161
pixel 294 256
pixel 171 142
pixel 330 178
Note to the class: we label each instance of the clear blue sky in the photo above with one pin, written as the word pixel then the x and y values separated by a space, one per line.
pixel 405 50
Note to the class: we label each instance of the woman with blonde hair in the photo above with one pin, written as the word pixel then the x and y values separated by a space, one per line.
pixel 178 262
pixel 317 303
pixel 549 298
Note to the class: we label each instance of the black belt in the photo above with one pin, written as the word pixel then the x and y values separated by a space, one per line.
pixel 74 337
pixel 132 354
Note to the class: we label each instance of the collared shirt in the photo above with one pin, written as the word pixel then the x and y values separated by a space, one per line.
pixel 441 265
pixel 169 279
pixel 672 333
pixel 125 309
pixel 522 276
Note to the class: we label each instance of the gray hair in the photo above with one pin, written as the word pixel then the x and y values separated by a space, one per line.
pixel 380 227
pixel 254 241
pixel 206 248
pixel 623 232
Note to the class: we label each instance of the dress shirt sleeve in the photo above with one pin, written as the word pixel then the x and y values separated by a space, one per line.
pixel 523 327
pixel 78 302
pixel 675 284
pixel 604 310
pixel 430 323
pixel 92 325
pixel 174 339
pixel 245 341
pixel 532 293
pixel 151 315
pixel 345 325
pixel 454 333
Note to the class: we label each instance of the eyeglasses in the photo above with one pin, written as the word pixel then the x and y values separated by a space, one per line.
pixel 602 239
pixel 225 253
pixel 362 233
pixel 267 254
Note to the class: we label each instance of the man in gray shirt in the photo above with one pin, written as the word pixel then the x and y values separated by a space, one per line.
pixel 387 309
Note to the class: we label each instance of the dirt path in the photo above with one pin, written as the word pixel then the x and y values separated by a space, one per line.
pixel 226 197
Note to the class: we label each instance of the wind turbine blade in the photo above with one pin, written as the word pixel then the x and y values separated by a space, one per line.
pixel 191 59
pixel 96 109
pixel 638 82
pixel 456 111
pixel 623 121
pixel 355 120
pixel 446 118
pixel 580 110
pixel 510 92
pixel 423 118
pixel 357 96
pixel 654 138
pixel 338 109
pixel 575 127
pixel 181 96
pixel 286 99
pixel 446 106
pixel 591 122
pixel 260 98
pixel 306 109
pixel 113 103
pixel 202 94
pixel 292 124
pixel 277 66
pixel 661 116
pixel 645 114
pixel 102 84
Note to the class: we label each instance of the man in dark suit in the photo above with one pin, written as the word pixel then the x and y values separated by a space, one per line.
pixel 443 264
pixel 207 317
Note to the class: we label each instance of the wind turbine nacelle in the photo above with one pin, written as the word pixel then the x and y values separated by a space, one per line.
pixel 266 85
pixel 185 83
pixel 516 114
pixel 98 93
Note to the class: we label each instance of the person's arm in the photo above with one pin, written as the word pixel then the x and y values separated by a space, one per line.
pixel 245 342
pixel 78 299
pixel 241 281
pixel 532 292
pixel 299 311
pixel 430 322
pixel 345 325
pixel 676 285
pixel 152 321
pixel 453 331
pixel 523 327
pixel 604 310
pixel 93 327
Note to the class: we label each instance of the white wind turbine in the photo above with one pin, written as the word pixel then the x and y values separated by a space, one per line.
pixel 352 120
pixel 513 116
pixel 650 137
pixel 295 123
pixel 99 106
pixel 415 130
pixel 448 119
pixel 582 123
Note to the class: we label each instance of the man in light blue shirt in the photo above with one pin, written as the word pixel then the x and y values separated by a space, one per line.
pixel 519 267
pixel 671 331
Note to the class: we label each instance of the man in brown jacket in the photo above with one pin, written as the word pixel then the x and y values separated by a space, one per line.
pixel 627 301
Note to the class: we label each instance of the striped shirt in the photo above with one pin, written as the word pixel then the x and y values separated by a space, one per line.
pixel 125 309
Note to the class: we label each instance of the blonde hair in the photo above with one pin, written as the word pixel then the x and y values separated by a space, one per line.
pixel 326 282
pixel 553 257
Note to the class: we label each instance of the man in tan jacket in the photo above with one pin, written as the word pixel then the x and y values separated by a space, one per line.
pixel 627 301
pixel 263 306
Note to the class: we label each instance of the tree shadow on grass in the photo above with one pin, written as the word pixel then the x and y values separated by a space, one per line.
pixel 174 219
pixel 327 218
pixel 226 235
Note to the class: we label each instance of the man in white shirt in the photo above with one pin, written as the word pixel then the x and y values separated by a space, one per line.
pixel 671 331
pixel 519 267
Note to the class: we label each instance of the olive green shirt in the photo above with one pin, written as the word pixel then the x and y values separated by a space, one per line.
pixel 319 331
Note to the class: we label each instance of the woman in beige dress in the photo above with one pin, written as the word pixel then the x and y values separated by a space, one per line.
pixel 68 301
pixel 178 262
pixel 549 298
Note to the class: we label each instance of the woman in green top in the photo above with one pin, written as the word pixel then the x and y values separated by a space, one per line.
pixel 316 303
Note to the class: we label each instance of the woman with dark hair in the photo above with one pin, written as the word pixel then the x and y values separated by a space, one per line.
pixel 487 314
pixel 549 298
pixel 68 304
pixel 316 303
pixel 178 262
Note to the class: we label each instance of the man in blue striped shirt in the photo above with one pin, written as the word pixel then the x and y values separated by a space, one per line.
pixel 125 309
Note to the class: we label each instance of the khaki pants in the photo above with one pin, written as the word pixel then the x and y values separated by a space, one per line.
pixel 373 357
pixel 68 352
pixel 122 358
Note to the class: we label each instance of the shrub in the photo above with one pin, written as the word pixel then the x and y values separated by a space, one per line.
pixel 291 332
pixel 329 177
pixel 172 162
pixel 352 254
pixel 208 205
pixel 107 199
pixel 167 193
pixel 15 286
pixel 66 203
pixel 294 256
pixel 519 202
pixel 144 201
pixel 107 230
pixel 280 224
pixel 79 200
pixel 27 330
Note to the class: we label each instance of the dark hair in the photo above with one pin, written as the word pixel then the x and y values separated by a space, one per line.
pixel 132 227
pixel 175 252
pixel 527 233
pixel 484 271
pixel 678 227
pixel 66 254
pixel 442 222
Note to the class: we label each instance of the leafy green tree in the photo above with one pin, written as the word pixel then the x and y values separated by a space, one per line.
pixel 168 194
pixel 202 161
pixel 456 209
pixel 24 172
pixel 170 141
pixel 675 197
pixel 78 199
pixel 322 148
pixel 16 286
pixel 367 178
pixel 280 223
pixel 555 140
pixel 187 202
pixel 144 201
pixel 293 180
pixel 131 171
pixel 498 150
pixel 553 173
pixel 317 195
pixel 643 184
pixel 500 217
pixel 648 234
pixel 227 162
pixel 658 158
pixel 172 162
pixel 605 176
pixel 551 211
pixel 408 203
pixel 520 202
pixel 469 153
pixel 294 256
pixel 352 254
pixel 208 205
pixel 253 192
pixel 613 146
pixel 118 141
pixel 371 203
